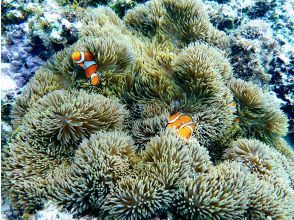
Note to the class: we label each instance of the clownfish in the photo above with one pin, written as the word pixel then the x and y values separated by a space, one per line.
pixel 183 123
pixel 86 61
pixel 233 106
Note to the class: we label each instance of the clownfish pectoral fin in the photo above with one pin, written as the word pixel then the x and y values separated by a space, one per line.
pixel 94 79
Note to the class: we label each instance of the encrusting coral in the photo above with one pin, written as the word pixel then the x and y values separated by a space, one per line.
pixel 106 150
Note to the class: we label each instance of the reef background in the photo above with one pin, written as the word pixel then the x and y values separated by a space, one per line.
pixel 260 32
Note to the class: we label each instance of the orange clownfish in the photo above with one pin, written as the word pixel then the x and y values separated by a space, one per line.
pixel 183 123
pixel 233 106
pixel 86 61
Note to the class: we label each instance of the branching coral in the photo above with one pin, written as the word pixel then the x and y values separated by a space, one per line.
pixel 73 143
pixel 60 120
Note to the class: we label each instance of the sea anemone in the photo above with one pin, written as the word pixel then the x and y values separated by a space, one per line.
pixel 284 148
pixel 97 19
pixel 260 159
pixel 59 121
pixel 259 118
pixel 271 198
pixel 98 165
pixel 253 154
pixel 150 82
pixel 200 159
pixel 223 193
pixel 169 159
pixel 24 172
pixel 195 71
pixel 143 19
pixel 136 198
pixel 73 141
pixel 147 128
pixel 42 83
pixel 181 21
pixel 112 55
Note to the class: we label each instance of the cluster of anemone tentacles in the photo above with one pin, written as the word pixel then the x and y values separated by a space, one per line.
pixel 105 151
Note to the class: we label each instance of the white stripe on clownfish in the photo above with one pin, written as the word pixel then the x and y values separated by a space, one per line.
pixel 187 125
pixel 176 118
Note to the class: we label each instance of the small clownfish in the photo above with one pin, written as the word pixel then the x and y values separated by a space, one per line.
pixel 86 61
pixel 183 123
pixel 233 106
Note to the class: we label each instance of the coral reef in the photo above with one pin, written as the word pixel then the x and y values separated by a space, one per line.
pixel 254 45
pixel 261 44
pixel 105 151
pixel 19 60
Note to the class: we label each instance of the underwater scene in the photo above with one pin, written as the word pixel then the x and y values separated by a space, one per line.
pixel 156 110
